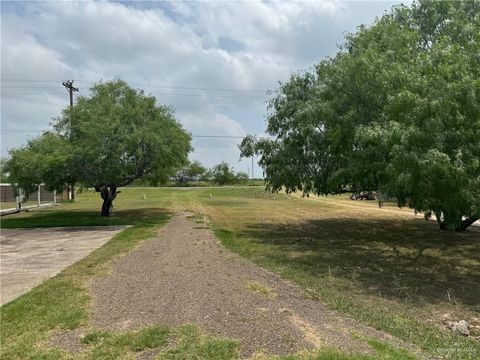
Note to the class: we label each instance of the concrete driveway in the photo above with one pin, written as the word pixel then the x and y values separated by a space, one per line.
pixel 30 256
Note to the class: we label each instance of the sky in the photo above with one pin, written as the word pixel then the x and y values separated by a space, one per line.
pixel 213 61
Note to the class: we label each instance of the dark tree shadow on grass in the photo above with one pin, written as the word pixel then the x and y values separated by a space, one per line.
pixel 54 218
pixel 405 259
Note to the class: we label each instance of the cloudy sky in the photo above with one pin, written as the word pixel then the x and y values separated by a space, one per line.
pixel 212 60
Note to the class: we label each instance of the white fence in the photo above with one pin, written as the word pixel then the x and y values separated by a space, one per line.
pixel 11 202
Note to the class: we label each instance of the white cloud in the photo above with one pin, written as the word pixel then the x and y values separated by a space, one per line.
pixel 187 54
pixel 205 127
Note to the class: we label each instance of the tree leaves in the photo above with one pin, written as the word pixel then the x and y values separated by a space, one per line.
pixel 110 138
pixel 397 109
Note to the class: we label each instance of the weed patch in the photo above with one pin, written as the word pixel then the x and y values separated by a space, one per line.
pixel 260 289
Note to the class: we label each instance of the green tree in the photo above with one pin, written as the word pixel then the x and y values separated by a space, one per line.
pixel 207 176
pixel 4 178
pixel 241 177
pixel 396 110
pixel 106 141
pixel 222 174
pixel 196 170
pixel 45 159
pixel 192 171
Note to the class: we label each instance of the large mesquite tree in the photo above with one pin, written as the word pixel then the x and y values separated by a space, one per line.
pixel 396 110
pixel 111 138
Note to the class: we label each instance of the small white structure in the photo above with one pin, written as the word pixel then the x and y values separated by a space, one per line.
pixel 8 198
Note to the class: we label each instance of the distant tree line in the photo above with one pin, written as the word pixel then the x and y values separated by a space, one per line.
pixel 194 173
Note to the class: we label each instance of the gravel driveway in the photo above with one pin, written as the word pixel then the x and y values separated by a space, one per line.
pixel 186 276
pixel 30 256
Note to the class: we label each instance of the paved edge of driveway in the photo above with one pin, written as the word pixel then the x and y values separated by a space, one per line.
pixel 29 256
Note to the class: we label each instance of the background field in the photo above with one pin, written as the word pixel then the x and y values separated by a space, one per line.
pixel 384 267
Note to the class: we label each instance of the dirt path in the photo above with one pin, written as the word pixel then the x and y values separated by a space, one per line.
pixel 186 276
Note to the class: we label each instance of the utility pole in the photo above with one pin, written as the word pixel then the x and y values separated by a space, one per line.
pixel 71 89
pixel 253 155
pixel 252 166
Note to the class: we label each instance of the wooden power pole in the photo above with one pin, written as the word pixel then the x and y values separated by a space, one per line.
pixel 71 89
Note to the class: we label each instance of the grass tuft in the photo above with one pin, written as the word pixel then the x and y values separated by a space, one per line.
pixel 109 345
pixel 193 344
pixel 260 289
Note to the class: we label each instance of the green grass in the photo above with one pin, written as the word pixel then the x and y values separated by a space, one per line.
pixel 130 208
pixel 189 342
pixel 260 289
pixel 380 266
pixel 109 345
pixel 380 351
pixel 193 344
pixel 62 302
pixel 13 204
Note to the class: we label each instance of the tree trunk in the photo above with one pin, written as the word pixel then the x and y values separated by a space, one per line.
pixel 464 224
pixel 108 194
pixel 72 191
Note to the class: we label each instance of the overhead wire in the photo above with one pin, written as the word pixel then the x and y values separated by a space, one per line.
pixel 148 85
pixel 215 99
pixel 193 135
pixel 207 93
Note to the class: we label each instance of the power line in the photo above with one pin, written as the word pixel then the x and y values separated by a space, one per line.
pixel 33 80
pixel 14 130
pixel 162 87
pixel 194 136
pixel 218 136
pixel 230 136
pixel 28 87
pixel 164 101
pixel 201 88
pixel 251 97
pixel 207 96
pixel 151 85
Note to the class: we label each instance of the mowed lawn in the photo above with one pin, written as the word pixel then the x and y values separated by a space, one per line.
pixel 383 267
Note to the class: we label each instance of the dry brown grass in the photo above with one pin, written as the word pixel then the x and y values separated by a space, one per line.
pixel 385 266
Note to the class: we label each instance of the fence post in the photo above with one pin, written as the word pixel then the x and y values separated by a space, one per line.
pixel 19 199
pixel 38 195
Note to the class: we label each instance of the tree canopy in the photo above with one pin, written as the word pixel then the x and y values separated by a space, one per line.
pixel 191 171
pixel 396 110
pixel 223 174
pixel 3 171
pixel 107 140
pixel 45 159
